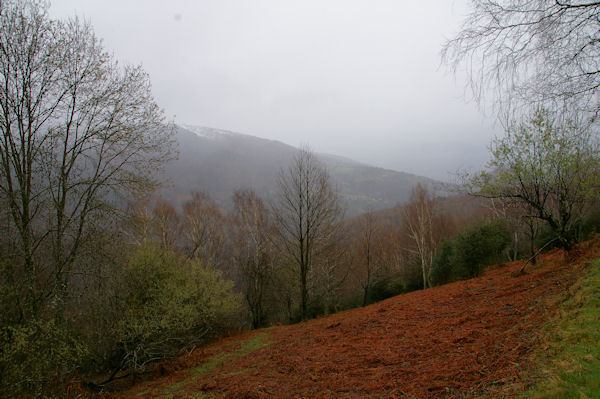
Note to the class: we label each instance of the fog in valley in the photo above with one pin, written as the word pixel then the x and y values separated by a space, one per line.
pixel 360 79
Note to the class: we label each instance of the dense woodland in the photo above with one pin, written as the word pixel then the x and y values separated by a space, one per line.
pixel 99 276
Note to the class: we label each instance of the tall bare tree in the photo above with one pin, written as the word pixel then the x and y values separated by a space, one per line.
pixel 419 215
pixel 369 251
pixel 203 228
pixel 253 251
pixel 307 213
pixel 76 132
pixel 541 52
pixel 166 223
pixel 330 271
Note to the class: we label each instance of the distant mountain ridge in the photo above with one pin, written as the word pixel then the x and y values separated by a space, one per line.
pixel 220 161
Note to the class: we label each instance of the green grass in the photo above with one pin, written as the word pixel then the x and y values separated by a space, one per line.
pixel 571 366
pixel 211 364
pixel 175 387
pixel 249 346
pixel 245 348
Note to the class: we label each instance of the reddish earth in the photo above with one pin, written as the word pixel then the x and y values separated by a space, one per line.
pixel 463 339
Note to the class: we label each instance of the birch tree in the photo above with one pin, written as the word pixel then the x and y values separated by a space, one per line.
pixel 531 53
pixel 419 216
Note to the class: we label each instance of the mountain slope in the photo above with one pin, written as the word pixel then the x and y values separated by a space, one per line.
pixel 465 339
pixel 220 162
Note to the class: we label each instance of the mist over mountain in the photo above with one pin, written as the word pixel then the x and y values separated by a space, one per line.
pixel 219 162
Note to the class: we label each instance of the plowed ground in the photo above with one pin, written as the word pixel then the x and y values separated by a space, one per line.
pixel 464 339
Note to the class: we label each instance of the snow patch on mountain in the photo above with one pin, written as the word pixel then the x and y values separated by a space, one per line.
pixel 208 132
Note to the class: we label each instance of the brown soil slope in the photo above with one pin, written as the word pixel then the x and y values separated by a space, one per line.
pixel 462 339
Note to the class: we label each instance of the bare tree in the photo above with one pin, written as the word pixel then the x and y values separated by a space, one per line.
pixel 138 223
pixel 522 223
pixel 76 132
pixel 419 216
pixel 542 52
pixel 253 251
pixel 166 222
pixel 368 250
pixel 330 270
pixel 203 228
pixel 307 213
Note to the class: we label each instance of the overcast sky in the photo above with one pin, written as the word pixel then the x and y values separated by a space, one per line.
pixel 361 79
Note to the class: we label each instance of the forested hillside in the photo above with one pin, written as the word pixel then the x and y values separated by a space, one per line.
pixel 219 162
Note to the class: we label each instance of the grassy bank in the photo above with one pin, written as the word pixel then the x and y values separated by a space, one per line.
pixel 570 368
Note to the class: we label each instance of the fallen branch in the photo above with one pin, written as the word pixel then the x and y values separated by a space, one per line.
pixel 522 270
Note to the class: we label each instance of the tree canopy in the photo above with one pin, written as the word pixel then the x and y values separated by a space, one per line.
pixel 77 130
pixel 551 167
pixel 524 52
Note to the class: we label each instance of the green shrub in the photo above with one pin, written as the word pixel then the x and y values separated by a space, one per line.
pixel 381 290
pixel 36 359
pixel 169 303
pixel 466 255
pixel 410 280
pixel 443 263
pixel 11 308
pixel 581 230
pixel 37 355
pixel 479 246
pixel 589 226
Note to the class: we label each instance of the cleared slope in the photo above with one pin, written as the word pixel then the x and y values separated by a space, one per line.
pixel 466 338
